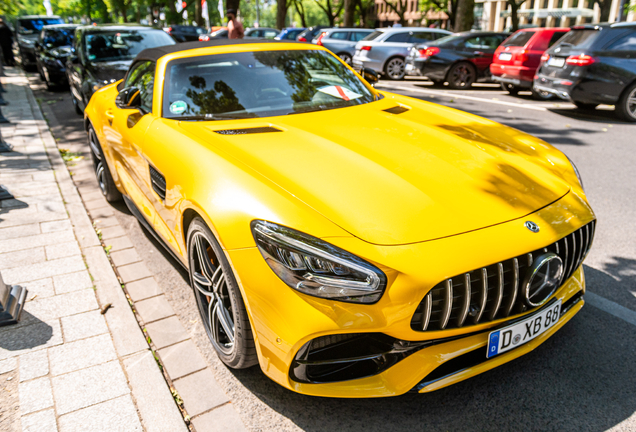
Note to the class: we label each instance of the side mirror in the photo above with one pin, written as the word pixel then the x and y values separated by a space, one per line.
pixel 128 98
pixel 370 76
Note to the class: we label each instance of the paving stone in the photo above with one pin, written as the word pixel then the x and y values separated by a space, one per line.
pixel 112 232
pixel 154 309
pixel 34 365
pixel 43 421
pixel 133 272
pixel 103 212
pixel 200 392
pixel 222 419
pixel 35 395
pixel 83 325
pixel 181 359
pixel 19 231
pixel 16 218
pixel 81 354
pixel 143 289
pixel 62 305
pixel 106 222
pixel 96 204
pixel 45 269
pixel 72 282
pixel 8 365
pixel 62 250
pixel 39 289
pixel 15 341
pixel 88 387
pixel 51 206
pixel 113 415
pixel 44 176
pixel 166 332
pixel 126 256
pixel 22 258
pixel 92 195
pixel 118 243
pixel 34 241
pixel 154 401
pixel 62 225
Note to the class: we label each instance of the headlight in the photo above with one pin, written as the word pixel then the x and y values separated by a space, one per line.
pixel 576 170
pixel 315 267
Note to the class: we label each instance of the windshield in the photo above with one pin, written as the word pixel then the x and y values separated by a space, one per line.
pixel 579 38
pixel 30 26
pixel 372 36
pixel 259 84
pixel 57 38
pixel 124 45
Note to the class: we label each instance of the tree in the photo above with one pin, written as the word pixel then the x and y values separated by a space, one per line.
pixel 605 6
pixel 349 13
pixel 449 7
pixel 300 10
pixel 331 9
pixel 366 12
pixel 399 7
pixel 514 12
pixel 465 16
pixel 281 13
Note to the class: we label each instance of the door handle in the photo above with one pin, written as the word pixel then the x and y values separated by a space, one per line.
pixel 479 53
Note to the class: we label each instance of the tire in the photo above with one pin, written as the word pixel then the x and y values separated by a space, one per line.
pixel 394 68
pixel 626 105
pixel 542 96
pixel 219 299
pixel 461 76
pixel 437 83
pixel 585 106
pixel 511 89
pixel 102 172
pixel 345 57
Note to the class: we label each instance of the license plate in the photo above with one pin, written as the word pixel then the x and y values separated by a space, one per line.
pixel 556 62
pixel 518 334
pixel 505 56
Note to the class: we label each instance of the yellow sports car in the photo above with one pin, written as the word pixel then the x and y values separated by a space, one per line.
pixel 352 242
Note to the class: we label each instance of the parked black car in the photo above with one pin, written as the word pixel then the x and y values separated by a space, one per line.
pixel 185 33
pixel 102 54
pixel 460 59
pixel 51 51
pixel 28 29
pixel 591 65
pixel 309 33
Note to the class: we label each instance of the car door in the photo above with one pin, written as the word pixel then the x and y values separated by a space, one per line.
pixel 616 66
pixel 475 51
pixel 127 135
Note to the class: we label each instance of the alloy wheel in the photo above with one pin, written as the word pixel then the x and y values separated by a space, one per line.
pixel 462 76
pixel 395 68
pixel 631 103
pixel 345 58
pixel 212 294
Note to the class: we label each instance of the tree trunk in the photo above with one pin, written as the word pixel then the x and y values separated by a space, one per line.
pixel 232 4
pixel 298 5
pixel 281 13
pixel 605 7
pixel 349 13
pixel 198 19
pixel 465 15
pixel 514 15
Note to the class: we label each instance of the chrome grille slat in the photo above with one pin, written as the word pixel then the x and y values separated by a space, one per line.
pixel 464 300
pixel 448 304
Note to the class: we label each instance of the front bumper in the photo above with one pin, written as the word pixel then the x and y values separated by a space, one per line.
pixel 284 320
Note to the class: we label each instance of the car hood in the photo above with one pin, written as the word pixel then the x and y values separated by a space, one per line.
pixel 106 71
pixel 398 178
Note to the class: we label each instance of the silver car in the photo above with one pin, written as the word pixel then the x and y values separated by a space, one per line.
pixel 385 49
pixel 342 41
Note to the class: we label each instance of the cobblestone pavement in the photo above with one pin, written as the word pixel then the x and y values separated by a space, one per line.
pixel 65 366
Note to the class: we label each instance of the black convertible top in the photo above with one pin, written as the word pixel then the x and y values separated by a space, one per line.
pixel 154 54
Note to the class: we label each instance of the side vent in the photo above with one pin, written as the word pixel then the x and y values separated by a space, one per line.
pixel 158 182
pixel 246 131
pixel 396 110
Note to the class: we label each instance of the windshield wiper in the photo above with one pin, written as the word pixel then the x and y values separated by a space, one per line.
pixel 215 117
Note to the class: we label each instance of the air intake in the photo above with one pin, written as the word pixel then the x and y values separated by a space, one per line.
pixel 396 110
pixel 256 130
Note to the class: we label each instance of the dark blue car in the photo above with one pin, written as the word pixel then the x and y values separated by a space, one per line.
pixel 289 33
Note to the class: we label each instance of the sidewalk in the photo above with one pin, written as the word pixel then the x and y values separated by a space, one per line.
pixel 65 366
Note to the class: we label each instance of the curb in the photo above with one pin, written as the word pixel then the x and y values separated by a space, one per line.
pixel 156 406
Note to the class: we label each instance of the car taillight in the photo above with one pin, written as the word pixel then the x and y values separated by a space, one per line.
pixel 169 30
pixel 522 56
pixel 204 38
pixel 319 41
pixel 545 57
pixel 580 60
pixel 302 39
pixel 366 48
pixel 428 52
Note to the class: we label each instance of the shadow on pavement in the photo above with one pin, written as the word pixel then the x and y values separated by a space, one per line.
pixel 23 337
pixel 616 281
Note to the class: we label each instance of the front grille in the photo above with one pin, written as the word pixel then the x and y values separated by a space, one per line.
pixel 492 292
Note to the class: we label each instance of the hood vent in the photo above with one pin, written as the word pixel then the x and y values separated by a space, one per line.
pixel 397 110
pixel 246 131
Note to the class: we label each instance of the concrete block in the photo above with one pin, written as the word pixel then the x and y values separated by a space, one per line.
pixel 62 225
pixel 62 305
pixel 83 325
pixel 124 257
pixel 43 421
pixel 72 282
pixel 133 272
pixel 88 387
pixel 166 332
pixel 34 365
pixel 16 244
pixel 119 243
pixel 22 258
pixel 8 365
pixel 105 222
pixel 112 232
pixel 154 309
pixel 200 392
pixel 154 401
pixel 181 359
pixel 35 395
pixel 39 289
pixel 19 231
pixel 114 415
pixel 143 289
pixel 103 212
pixel 62 250
pixel 222 419
pixel 81 354
pixel 43 270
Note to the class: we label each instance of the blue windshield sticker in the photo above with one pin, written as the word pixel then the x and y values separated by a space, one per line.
pixel 178 107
